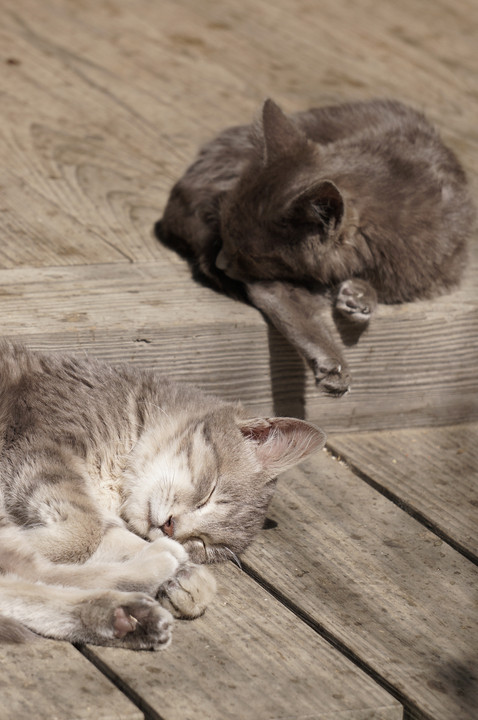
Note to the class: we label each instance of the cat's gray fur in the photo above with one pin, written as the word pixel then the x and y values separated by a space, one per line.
pixel 115 485
pixel 344 205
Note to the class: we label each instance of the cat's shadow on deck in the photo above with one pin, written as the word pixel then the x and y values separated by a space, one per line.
pixel 288 370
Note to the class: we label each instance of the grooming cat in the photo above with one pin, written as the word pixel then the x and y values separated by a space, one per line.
pixel 344 205
pixel 115 484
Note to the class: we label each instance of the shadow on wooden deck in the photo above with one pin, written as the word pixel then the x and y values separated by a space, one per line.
pixel 360 602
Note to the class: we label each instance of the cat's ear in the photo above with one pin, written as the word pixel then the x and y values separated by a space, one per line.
pixel 281 442
pixel 322 204
pixel 278 135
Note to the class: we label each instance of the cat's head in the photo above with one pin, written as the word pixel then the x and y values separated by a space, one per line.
pixel 208 482
pixel 284 213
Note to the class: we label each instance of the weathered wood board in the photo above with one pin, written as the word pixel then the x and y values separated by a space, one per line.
pixel 249 657
pixel 105 104
pixel 226 347
pixel 48 680
pixel 433 471
pixel 392 593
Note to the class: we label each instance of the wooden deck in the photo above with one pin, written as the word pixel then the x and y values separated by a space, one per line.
pixel 360 600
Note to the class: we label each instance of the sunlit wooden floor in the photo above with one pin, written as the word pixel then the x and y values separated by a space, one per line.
pixel 359 601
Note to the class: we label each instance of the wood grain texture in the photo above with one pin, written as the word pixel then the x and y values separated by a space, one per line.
pixel 434 471
pixel 248 657
pixel 105 104
pixel 50 680
pixel 389 591
pixel 226 347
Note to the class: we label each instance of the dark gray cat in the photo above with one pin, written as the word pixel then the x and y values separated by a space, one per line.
pixel 345 205
pixel 114 484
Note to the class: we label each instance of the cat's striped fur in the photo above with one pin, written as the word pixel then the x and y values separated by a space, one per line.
pixel 115 486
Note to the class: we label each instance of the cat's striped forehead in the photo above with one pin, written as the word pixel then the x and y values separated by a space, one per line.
pixel 198 447
pixel 189 458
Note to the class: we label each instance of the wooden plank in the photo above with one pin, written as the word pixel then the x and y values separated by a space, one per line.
pixel 390 592
pixel 296 51
pixel 397 367
pixel 248 657
pixel 96 128
pixel 433 471
pixel 50 680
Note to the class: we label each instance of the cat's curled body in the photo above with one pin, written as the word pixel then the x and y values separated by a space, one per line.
pixel 116 485
pixel 344 205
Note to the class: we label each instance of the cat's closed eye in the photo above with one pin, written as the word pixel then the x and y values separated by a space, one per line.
pixel 203 503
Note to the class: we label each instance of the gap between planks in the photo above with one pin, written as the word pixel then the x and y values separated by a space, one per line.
pixel 402 504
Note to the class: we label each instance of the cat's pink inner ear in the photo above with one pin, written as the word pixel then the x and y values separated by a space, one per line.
pixel 280 443
pixel 281 135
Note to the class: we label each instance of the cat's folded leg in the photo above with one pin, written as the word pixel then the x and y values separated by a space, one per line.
pixel 187 590
pixel 298 314
pixel 103 617
pixel 161 568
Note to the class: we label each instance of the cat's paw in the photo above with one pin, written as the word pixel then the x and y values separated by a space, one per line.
pixel 331 376
pixel 189 593
pixel 129 620
pixel 356 300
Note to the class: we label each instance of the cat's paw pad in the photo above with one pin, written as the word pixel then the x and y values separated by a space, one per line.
pixel 332 376
pixel 189 593
pixel 125 619
pixel 142 624
pixel 356 300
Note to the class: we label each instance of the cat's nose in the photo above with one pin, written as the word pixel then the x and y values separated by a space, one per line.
pixel 168 527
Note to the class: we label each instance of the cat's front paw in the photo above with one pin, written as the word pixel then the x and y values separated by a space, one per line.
pixel 331 376
pixel 131 620
pixel 189 593
pixel 356 300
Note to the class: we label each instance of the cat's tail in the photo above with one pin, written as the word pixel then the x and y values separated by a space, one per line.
pixel 12 631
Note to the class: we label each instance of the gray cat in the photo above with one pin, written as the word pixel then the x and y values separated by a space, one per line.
pixel 115 485
pixel 344 206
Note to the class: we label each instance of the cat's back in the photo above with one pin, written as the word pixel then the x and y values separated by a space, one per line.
pixel 48 394
pixel 368 118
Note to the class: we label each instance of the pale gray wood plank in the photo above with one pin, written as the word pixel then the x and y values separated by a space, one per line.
pixel 398 372
pixel 376 580
pixel 297 50
pixel 86 172
pixel 434 471
pixel 50 680
pixel 248 657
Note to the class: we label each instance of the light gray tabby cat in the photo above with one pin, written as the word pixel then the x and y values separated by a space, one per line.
pixel 115 484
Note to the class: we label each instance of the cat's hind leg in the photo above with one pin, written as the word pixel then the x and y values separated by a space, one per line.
pixel 113 618
pixel 53 505
pixel 160 568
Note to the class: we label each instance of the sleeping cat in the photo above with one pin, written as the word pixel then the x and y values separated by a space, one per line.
pixel 115 484
pixel 344 205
